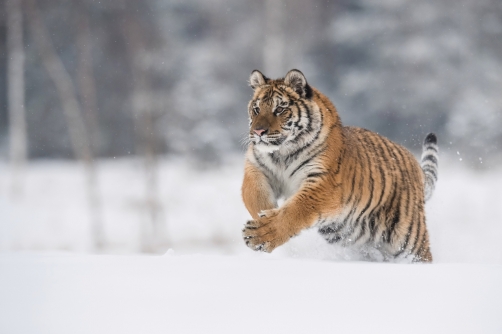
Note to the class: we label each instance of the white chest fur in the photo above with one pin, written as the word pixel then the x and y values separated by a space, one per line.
pixel 286 176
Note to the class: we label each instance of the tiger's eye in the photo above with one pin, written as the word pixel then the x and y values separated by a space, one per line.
pixel 279 110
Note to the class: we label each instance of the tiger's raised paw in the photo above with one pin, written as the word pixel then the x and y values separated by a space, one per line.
pixel 265 233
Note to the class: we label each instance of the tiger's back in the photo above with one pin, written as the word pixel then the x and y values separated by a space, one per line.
pixel 358 188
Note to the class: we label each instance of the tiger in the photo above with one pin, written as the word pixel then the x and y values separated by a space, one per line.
pixel 357 188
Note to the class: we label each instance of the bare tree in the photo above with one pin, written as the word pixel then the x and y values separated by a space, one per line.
pixel 153 232
pixel 76 126
pixel 85 74
pixel 15 77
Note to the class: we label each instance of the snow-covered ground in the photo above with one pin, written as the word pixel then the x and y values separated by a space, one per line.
pixel 210 282
pixel 203 211
pixel 243 294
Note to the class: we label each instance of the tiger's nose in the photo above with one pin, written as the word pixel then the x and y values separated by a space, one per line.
pixel 259 132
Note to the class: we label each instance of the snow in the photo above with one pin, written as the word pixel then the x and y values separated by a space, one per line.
pixel 57 293
pixel 203 211
pixel 201 208
pixel 210 282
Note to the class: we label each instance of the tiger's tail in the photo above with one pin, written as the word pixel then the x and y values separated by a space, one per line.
pixel 430 164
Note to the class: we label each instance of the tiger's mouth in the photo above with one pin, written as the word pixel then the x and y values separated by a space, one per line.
pixel 268 140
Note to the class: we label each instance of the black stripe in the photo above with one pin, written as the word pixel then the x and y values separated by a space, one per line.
pixel 400 165
pixel 431 173
pixel 336 238
pixel 395 220
pixel 325 231
pixel 316 174
pixel 391 160
pixel 362 231
pixel 353 184
pixel 308 92
pixel 275 158
pixel 368 203
pixel 415 244
pixel 411 222
pixel 293 156
pixel 386 152
pixel 263 166
pixel 309 116
pixel 305 133
pixel 277 141
pixel 412 199
pixel 390 207
pixel 295 124
pixel 403 248
pixel 383 180
pixel 341 155
pixel 361 180
pixel 372 227
pixel 405 177
pixel 429 167
pixel 431 147
pixel 430 158
pixel 371 183
pixel 390 165
pixel 347 219
pixel 339 163
pixel 301 165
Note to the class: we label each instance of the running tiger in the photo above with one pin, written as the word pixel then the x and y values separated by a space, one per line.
pixel 356 187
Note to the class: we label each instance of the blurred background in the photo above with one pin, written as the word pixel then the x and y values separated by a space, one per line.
pixel 121 122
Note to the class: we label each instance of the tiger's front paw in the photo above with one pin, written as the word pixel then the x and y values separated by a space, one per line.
pixel 267 232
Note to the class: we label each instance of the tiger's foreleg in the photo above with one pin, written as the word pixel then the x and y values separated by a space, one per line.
pixel 257 193
pixel 275 227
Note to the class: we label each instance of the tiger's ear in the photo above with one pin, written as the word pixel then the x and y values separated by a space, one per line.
pixel 257 79
pixel 296 80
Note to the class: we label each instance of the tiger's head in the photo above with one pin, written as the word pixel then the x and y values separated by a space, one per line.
pixel 280 110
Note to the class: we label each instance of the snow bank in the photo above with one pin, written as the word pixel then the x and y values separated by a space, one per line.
pixel 243 294
pixel 203 211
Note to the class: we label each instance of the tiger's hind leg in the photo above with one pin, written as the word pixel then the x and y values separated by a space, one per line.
pixel 333 234
pixel 423 253
pixel 420 250
pixel 409 240
pixel 372 254
pixel 330 233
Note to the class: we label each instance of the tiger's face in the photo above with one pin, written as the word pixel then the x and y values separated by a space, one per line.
pixel 270 116
pixel 275 112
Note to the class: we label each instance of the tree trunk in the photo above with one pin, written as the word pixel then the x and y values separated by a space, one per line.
pixel 15 78
pixel 85 74
pixel 88 99
pixel 153 234
pixel 76 126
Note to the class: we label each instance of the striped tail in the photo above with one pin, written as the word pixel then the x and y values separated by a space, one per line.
pixel 430 164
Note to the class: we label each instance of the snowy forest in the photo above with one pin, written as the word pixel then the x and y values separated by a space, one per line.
pixel 173 74
pixel 123 127
pixel 122 122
